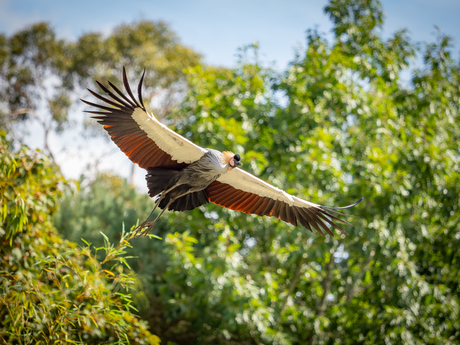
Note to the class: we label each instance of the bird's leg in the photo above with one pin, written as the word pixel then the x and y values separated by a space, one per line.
pixel 154 208
pixel 141 225
pixel 151 224
pixel 162 195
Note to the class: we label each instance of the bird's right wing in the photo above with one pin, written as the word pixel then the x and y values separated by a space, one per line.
pixel 139 134
pixel 240 191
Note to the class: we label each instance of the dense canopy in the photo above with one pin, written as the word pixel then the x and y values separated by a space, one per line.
pixel 339 123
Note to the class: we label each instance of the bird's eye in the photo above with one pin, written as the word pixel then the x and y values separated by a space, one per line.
pixel 237 157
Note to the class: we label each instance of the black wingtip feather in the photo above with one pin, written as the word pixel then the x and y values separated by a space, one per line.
pixel 99 106
pixel 115 97
pixel 89 103
pixel 97 113
pixel 344 207
pixel 322 216
pixel 311 220
pixel 302 220
pixel 139 89
pixel 327 213
pixel 128 88
pixel 115 104
pixel 318 220
pixel 117 90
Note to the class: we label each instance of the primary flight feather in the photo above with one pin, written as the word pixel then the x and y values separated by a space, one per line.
pixel 183 175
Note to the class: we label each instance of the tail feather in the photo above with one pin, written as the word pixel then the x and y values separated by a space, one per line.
pixel 157 180
pixel 189 202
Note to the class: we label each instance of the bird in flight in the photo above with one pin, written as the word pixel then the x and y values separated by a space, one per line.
pixel 182 175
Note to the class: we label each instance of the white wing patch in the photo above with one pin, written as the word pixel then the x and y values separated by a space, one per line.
pixel 246 182
pixel 180 149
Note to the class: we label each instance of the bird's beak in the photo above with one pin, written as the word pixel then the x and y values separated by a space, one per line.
pixel 238 164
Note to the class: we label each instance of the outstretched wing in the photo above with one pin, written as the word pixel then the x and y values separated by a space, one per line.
pixel 240 191
pixel 139 134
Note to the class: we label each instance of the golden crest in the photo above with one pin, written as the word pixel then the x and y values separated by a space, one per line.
pixel 225 157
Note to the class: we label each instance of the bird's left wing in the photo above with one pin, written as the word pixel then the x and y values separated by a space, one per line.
pixel 144 139
pixel 240 191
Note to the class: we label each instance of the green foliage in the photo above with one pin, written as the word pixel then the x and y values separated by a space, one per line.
pixel 107 202
pixel 27 58
pixel 350 128
pixel 338 124
pixel 50 289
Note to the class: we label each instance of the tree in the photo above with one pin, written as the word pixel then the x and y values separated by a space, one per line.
pixel 50 289
pixel 107 204
pixel 27 60
pixel 338 124
pixel 350 129
pixel 40 75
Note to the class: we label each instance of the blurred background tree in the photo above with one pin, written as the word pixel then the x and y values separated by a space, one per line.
pixel 42 76
pixel 338 124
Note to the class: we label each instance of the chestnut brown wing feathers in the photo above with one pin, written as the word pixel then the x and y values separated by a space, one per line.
pixel 152 145
pixel 139 134
pixel 240 191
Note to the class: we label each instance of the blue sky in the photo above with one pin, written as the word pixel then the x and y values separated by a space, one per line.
pixel 216 28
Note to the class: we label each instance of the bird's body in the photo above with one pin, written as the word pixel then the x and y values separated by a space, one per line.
pixel 201 173
pixel 196 177
pixel 184 175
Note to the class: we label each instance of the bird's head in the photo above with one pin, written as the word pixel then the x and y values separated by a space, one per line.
pixel 232 160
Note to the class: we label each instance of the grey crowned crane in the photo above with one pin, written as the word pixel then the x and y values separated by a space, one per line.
pixel 183 175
